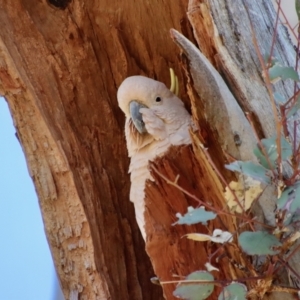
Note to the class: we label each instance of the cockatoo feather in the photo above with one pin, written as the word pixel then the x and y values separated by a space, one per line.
pixel 155 120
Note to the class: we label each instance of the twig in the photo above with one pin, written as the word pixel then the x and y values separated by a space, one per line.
pixel 270 92
pixel 205 203
pixel 222 282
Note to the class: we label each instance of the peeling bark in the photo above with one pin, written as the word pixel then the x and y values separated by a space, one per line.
pixel 59 71
pixel 221 117
pixel 173 255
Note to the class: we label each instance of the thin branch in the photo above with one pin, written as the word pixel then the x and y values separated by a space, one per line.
pixel 270 92
pixel 222 282
pixel 205 203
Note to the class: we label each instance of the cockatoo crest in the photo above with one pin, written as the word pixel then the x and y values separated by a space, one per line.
pixel 155 119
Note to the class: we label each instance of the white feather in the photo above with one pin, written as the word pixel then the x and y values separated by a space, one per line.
pixel 167 123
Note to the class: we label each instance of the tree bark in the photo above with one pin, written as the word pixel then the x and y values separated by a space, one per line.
pixel 60 69
pixel 221 121
pixel 61 63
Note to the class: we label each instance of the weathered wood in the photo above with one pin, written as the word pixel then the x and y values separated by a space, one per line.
pixel 227 33
pixel 173 256
pixel 220 119
pixel 224 35
pixel 59 71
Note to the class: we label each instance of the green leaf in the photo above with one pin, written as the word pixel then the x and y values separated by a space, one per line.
pixel 279 99
pixel 290 199
pixel 297 6
pixel 258 243
pixel 278 71
pixel 270 146
pixel 270 61
pixel 195 291
pixel 295 108
pixel 251 169
pixel 261 158
pixel 234 291
pixel 194 216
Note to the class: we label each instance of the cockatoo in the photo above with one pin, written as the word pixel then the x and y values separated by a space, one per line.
pixel 155 119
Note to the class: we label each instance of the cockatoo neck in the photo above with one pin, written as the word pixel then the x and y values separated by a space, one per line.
pixel 135 140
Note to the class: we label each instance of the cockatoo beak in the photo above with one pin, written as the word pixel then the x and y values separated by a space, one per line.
pixel 136 116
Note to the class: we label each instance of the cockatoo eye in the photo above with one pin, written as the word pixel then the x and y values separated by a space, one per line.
pixel 158 99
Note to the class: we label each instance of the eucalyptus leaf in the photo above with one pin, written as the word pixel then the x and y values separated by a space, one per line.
pixel 195 291
pixel 294 108
pixel 279 99
pixel 234 291
pixel 194 216
pixel 251 169
pixel 290 199
pixel 270 146
pixel 258 243
pixel 271 61
pixel 278 71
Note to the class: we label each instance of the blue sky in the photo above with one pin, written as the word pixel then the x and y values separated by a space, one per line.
pixel 27 271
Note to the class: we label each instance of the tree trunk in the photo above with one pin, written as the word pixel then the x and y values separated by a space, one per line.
pixel 61 63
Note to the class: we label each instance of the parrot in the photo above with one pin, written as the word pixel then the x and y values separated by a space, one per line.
pixel 155 120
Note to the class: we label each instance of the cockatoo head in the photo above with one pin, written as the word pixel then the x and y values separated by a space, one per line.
pixel 158 104
pixel 137 92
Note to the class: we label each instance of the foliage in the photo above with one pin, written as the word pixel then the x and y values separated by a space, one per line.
pixel 289 200
pixel 277 166
pixel 196 290
pixel 258 243
pixel 277 71
pixel 194 216
pixel 233 291
pixel 251 169
pixel 269 160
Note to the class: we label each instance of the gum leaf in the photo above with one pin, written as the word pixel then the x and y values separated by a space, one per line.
pixel 251 169
pixel 234 291
pixel 194 216
pixel 258 243
pixel 195 291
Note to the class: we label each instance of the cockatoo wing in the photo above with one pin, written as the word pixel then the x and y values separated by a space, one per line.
pixel 155 126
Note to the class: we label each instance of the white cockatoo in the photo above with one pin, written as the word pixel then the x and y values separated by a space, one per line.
pixel 155 119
